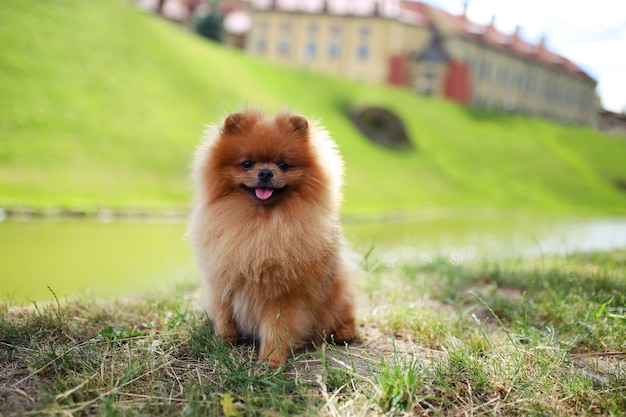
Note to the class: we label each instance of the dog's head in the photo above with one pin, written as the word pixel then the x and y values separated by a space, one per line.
pixel 266 159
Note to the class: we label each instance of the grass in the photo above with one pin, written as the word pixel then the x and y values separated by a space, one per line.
pixel 539 337
pixel 110 118
pixel 101 108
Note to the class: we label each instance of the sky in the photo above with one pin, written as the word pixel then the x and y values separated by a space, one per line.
pixel 591 34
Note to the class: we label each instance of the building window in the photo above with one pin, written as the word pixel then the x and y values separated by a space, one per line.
pixel 363 49
pixel 484 70
pixel 363 52
pixel 311 50
pixel 261 46
pixel 284 42
pixel 334 49
pixel 283 47
pixel 261 43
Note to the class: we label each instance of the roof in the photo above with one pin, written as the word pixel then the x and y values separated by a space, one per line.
pixel 421 13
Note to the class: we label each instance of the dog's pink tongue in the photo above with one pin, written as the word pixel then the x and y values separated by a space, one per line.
pixel 263 193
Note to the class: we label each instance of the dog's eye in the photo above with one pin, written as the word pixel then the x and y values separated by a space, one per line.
pixel 247 165
pixel 283 166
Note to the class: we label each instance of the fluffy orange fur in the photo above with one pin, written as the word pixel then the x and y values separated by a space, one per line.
pixel 267 233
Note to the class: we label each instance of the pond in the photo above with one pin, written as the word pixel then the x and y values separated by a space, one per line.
pixel 487 237
pixel 119 259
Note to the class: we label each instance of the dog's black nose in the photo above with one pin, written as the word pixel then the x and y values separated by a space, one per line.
pixel 265 175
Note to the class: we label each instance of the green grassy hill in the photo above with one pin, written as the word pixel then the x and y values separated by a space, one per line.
pixel 101 106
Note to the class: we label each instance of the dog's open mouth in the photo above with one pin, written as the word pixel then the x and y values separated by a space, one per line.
pixel 263 194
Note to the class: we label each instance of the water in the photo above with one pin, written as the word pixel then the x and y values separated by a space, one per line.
pixel 466 239
pixel 90 258
pixel 120 259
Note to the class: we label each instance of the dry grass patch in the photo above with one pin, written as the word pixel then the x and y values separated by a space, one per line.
pixel 538 337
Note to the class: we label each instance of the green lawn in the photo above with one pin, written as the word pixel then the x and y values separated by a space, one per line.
pixel 102 106
pixel 539 337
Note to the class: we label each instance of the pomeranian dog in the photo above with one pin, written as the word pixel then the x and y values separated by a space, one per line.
pixel 267 235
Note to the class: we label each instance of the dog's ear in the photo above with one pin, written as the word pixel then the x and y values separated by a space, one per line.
pixel 299 124
pixel 291 124
pixel 235 123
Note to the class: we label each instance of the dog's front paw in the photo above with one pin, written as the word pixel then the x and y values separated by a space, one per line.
pixel 228 332
pixel 274 360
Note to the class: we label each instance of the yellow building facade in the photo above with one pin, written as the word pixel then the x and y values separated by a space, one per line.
pixel 426 49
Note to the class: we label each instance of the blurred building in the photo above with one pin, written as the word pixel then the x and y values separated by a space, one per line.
pixel 181 11
pixel 418 46
pixel 611 122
